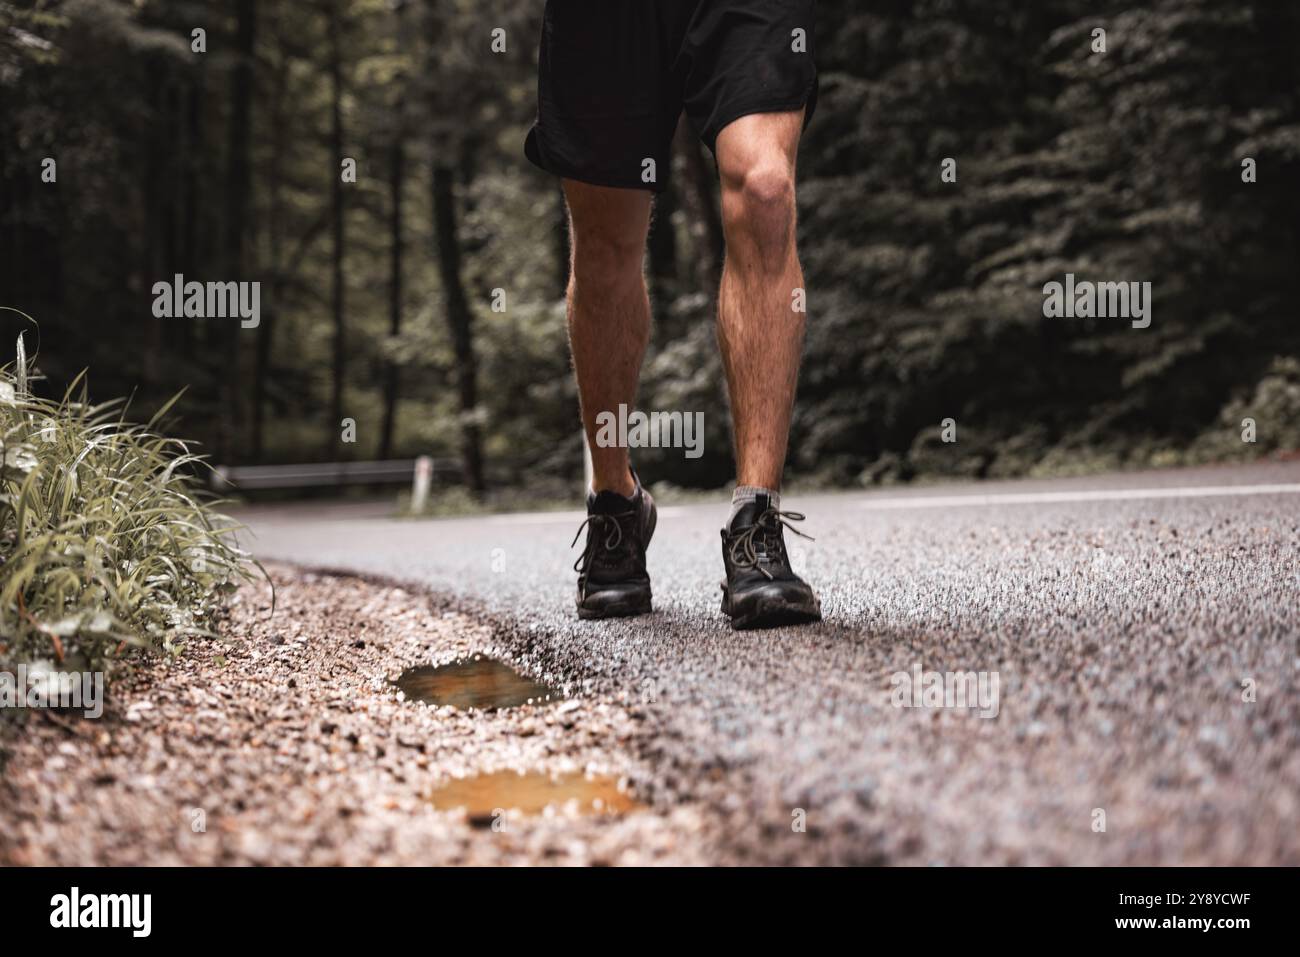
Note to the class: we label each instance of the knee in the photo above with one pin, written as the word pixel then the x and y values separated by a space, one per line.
pixel 606 259
pixel 759 207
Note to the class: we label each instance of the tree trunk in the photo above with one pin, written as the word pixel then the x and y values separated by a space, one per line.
pixel 238 177
pixel 191 259
pixel 702 182
pixel 334 425
pixel 662 249
pixel 396 177
pixel 275 231
pixel 459 324
pixel 663 240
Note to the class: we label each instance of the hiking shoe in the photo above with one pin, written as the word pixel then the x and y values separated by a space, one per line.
pixel 761 590
pixel 612 580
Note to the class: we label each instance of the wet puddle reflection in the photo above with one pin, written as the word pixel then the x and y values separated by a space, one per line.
pixel 482 683
pixel 485 796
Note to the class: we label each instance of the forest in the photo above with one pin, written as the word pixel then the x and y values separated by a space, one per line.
pixel 362 161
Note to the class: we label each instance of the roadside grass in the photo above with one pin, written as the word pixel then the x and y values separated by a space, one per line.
pixel 106 540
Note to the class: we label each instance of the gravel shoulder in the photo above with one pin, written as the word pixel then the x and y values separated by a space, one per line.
pixel 287 744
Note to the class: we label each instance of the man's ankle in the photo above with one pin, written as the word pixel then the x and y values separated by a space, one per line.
pixel 626 487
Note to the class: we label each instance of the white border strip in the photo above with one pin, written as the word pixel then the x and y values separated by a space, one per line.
pixel 1082 495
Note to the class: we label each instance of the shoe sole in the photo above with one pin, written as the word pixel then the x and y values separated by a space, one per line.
pixel 774 613
pixel 627 609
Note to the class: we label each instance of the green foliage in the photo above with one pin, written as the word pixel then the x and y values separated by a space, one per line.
pixel 104 538
pixel 926 296
pixel 1273 405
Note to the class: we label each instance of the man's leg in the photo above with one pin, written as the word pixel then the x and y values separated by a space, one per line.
pixel 761 336
pixel 609 312
pixel 609 326
pixel 760 333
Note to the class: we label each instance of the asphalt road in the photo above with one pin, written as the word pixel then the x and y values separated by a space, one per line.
pixel 1141 630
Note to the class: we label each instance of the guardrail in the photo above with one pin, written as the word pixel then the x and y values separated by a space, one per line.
pixel 418 471
pixel 318 474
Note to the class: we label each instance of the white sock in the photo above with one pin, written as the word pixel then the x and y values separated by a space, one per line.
pixel 745 494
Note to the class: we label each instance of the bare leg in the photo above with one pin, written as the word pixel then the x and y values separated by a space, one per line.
pixel 609 312
pixel 760 333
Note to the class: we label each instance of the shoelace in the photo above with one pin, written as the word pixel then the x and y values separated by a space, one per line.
pixel 767 523
pixel 613 529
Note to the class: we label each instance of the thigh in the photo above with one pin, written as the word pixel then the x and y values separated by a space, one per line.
pixel 746 57
pixel 605 94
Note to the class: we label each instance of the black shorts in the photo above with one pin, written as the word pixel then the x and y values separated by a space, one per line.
pixel 615 76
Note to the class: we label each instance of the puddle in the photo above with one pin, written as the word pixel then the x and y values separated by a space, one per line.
pixel 482 683
pixel 484 795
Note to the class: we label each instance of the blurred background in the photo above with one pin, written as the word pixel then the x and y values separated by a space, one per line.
pixel 925 296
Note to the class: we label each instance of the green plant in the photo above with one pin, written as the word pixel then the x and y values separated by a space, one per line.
pixel 106 540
